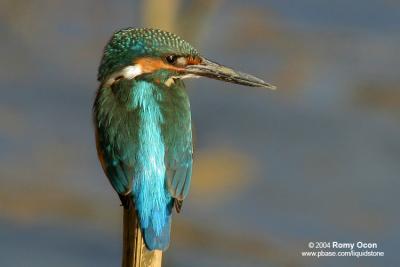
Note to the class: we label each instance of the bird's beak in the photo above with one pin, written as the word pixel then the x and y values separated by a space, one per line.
pixel 207 68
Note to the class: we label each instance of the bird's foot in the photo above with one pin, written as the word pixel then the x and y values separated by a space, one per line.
pixel 126 200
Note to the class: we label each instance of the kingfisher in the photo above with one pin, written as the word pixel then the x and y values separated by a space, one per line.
pixel 142 122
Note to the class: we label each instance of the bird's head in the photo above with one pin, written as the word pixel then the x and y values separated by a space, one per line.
pixel 161 57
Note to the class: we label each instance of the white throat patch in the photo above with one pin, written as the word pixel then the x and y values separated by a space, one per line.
pixel 172 79
pixel 128 72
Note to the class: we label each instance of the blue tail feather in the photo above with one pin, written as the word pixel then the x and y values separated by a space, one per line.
pixel 156 230
pixel 158 241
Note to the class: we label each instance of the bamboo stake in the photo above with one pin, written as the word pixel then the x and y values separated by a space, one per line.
pixel 134 251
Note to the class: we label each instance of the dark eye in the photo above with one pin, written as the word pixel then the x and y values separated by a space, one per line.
pixel 171 59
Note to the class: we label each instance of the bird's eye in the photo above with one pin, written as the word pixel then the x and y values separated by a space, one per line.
pixel 171 59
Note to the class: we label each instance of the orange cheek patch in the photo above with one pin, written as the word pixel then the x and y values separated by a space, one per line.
pixel 193 60
pixel 149 65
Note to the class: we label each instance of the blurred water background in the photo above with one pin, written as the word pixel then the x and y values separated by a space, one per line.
pixel 316 160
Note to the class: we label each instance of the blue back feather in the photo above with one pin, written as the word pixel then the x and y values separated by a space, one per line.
pixel 150 195
pixel 144 142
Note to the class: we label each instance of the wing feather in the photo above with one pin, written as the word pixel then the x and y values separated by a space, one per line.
pixel 179 172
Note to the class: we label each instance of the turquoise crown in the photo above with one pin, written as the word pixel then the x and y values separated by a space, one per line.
pixel 127 44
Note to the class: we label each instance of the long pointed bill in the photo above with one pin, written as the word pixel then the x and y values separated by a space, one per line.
pixel 216 71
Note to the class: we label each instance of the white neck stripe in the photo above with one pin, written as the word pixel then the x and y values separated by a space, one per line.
pixel 129 72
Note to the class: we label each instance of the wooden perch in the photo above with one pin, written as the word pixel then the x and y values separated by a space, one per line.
pixel 134 251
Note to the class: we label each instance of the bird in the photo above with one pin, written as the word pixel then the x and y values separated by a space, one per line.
pixel 142 122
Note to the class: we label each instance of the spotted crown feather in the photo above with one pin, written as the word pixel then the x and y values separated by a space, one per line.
pixel 127 44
